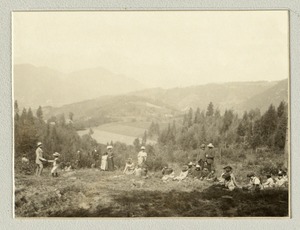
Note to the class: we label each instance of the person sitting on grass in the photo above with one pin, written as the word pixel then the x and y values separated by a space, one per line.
pixel 168 174
pixel 254 183
pixel 269 183
pixel 205 173
pixel 212 176
pixel 228 179
pixel 68 167
pixel 129 167
pixel 55 164
pixel 197 173
pixel 183 174
pixel 280 181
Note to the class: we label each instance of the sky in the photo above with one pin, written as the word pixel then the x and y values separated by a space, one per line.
pixel 158 48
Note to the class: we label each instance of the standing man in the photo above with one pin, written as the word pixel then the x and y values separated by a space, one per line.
pixel 110 158
pixel 142 156
pixel 209 156
pixel 39 159
pixel 201 156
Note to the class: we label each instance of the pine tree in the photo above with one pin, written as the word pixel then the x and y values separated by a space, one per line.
pixel 39 113
pixel 210 110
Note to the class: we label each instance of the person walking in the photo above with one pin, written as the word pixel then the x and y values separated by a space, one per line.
pixel 39 159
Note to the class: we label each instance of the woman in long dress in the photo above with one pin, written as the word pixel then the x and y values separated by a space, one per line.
pixel 110 159
pixel 104 162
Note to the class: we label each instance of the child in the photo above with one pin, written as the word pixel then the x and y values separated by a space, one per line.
pixel 55 164
pixel 269 183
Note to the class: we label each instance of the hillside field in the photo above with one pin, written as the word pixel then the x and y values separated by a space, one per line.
pixel 93 193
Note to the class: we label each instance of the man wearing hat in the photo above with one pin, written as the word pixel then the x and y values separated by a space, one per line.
pixel 142 156
pixel 39 159
pixel 209 156
pixel 201 156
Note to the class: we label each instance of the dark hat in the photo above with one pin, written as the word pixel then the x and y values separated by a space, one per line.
pixel 250 174
pixel 228 167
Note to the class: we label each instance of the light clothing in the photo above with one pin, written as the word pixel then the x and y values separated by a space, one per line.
pixel 165 178
pixel 55 165
pixel 255 183
pixel 104 162
pixel 229 183
pixel 269 183
pixel 25 160
pixel 129 169
pixel 280 182
pixel 142 157
pixel 182 175
pixel 39 156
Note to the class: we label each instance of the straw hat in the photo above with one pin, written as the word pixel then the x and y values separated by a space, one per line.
pixel 56 154
pixel 39 144
pixel 210 145
pixel 228 167
pixel 109 147
pixel 143 148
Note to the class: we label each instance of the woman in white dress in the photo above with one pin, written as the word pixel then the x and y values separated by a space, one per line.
pixel 104 162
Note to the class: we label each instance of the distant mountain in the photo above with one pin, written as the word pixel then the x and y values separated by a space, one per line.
pixel 34 86
pixel 239 96
pixel 273 95
pixel 118 108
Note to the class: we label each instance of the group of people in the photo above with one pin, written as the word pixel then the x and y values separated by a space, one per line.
pixel 39 160
pixel 141 168
pixel 202 169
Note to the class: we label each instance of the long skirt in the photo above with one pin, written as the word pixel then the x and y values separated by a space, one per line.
pixel 110 164
pixel 103 164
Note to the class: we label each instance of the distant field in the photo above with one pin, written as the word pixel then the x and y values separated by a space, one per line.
pixel 117 131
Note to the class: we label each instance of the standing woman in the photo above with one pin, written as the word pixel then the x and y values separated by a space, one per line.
pixel 103 166
pixel 110 158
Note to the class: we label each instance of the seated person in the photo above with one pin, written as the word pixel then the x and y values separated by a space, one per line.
pixel 168 174
pixel 211 176
pixel 205 173
pixel 228 179
pixel 254 183
pixel 269 183
pixel 280 181
pixel 183 174
pixel 129 167
pixel 197 173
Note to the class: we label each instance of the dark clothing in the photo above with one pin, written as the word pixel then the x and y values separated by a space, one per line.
pixel 209 156
pixel 110 162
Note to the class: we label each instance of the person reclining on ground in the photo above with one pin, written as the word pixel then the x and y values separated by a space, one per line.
pixel 168 174
pixel 212 176
pixel 183 174
pixel 269 183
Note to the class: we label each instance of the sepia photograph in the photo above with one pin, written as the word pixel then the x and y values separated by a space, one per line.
pixel 151 113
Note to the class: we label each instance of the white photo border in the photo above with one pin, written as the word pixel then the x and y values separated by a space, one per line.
pixel 6 127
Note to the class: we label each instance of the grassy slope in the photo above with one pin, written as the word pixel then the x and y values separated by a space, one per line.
pixel 93 193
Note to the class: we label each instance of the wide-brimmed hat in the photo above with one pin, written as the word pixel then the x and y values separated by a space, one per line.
pixel 109 147
pixel 210 145
pixel 191 163
pixel 198 166
pixel 228 167
pixel 56 154
pixel 39 144
pixel 143 148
